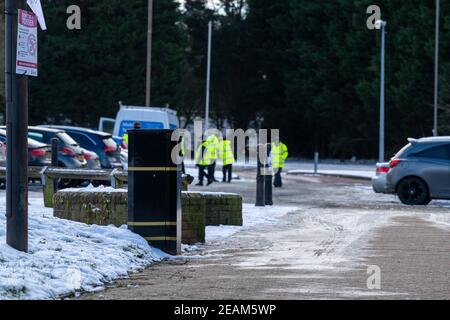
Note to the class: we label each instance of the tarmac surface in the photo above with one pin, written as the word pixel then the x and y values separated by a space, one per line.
pixel 327 248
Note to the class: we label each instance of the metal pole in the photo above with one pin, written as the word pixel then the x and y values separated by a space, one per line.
pixel 208 76
pixel 54 164
pixel 382 91
pixel 316 162
pixel 17 142
pixel 436 71
pixel 268 178
pixel 149 54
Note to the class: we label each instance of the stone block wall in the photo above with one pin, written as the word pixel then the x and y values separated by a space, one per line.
pixel 100 208
pixel 104 208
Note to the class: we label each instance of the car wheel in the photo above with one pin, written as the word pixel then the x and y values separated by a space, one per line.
pixel 413 192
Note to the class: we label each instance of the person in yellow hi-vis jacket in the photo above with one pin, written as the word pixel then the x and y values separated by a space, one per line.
pixel 279 155
pixel 227 157
pixel 212 146
pixel 203 162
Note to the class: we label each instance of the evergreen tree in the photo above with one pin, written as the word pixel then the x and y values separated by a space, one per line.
pixel 84 73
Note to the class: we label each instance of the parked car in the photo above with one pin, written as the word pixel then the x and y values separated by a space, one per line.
pixel 420 172
pixel 99 142
pixel 92 159
pixel 70 154
pixel 379 181
pixel 2 153
pixel 39 154
pixel 124 158
pixel 121 142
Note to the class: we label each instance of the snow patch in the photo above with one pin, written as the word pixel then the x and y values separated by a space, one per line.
pixel 93 189
pixel 251 216
pixel 65 257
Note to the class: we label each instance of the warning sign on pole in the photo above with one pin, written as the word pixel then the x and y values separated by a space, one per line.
pixel 27 44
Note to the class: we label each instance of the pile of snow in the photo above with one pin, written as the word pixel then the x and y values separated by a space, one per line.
pixel 91 188
pixel 252 216
pixel 65 257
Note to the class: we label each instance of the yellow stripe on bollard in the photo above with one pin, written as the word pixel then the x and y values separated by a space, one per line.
pixel 152 224
pixel 161 239
pixel 153 169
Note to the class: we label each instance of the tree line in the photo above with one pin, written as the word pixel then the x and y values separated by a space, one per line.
pixel 309 68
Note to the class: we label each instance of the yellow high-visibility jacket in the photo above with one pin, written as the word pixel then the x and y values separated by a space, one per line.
pixel 226 154
pixel 279 155
pixel 201 155
pixel 212 146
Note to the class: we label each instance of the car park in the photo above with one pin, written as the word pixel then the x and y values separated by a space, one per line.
pixel 39 154
pixel 96 141
pixel 420 172
pixel 70 154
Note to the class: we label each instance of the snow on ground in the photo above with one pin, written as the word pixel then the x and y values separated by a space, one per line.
pixel 65 257
pixel 251 216
pixel 336 238
pixel 364 174
pixel 296 164
pixel 218 174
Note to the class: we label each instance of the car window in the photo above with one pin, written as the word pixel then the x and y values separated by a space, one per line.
pixel 82 140
pixel 36 136
pixel 403 150
pixel 439 152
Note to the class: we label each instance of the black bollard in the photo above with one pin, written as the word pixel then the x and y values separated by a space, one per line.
pixel 259 181
pixel 154 196
pixel 268 177
pixel 54 164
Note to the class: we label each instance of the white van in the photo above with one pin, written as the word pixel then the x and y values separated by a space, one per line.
pixel 149 118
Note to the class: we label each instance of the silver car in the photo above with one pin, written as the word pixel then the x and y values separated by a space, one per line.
pixel 379 181
pixel 420 172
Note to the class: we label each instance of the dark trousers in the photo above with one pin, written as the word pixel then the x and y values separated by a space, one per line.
pixel 227 173
pixel 212 171
pixel 183 168
pixel 203 174
pixel 278 182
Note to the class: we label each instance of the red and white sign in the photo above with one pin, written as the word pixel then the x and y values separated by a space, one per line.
pixel 27 44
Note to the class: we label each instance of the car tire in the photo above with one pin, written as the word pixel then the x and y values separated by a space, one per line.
pixel 413 192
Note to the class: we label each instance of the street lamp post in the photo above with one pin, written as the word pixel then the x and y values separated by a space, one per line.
pixel 436 71
pixel 16 88
pixel 381 25
pixel 208 76
pixel 148 88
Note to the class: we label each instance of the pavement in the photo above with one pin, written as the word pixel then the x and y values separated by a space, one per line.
pixel 326 248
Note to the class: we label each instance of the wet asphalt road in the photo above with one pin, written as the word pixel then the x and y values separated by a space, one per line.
pixel 320 250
